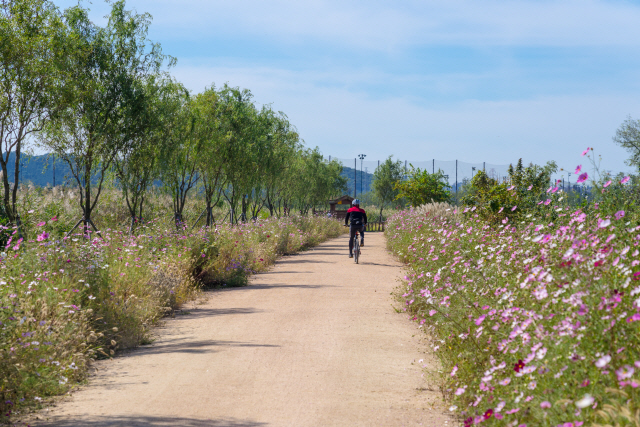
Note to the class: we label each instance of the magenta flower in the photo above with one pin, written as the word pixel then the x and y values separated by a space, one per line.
pixel 585 152
pixel 530 187
pixel 480 319
pixel 545 405
pixel 619 214
pixel 583 177
pixel 608 183
pixel 579 168
pixel 518 366
pixel 43 236
pixel 625 180
pixel 40 224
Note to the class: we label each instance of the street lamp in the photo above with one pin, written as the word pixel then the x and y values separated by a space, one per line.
pixel 361 157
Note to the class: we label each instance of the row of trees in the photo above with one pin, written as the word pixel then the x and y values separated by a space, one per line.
pixel 101 99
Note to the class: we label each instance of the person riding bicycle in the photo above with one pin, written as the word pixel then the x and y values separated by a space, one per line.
pixel 358 223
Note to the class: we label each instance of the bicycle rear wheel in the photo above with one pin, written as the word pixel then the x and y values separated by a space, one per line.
pixel 356 250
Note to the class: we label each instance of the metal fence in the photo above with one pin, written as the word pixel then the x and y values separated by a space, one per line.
pixel 456 172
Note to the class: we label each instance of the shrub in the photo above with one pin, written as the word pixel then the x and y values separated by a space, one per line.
pixel 524 192
pixel 423 187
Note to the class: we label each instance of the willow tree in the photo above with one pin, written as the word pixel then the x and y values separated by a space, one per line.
pixel 32 45
pixel 237 115
pixel 136 164
pixel 210 137
pixel 179 156
pixel 107 67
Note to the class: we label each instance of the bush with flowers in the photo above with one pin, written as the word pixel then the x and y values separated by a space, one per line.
pixel 536 321
pixel 66 301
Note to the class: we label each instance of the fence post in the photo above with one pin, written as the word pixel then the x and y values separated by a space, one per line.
pixel 355 178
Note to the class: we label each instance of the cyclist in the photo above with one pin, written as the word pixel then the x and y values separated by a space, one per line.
pixel 358 223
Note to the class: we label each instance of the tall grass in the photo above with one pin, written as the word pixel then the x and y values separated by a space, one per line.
pixel 66 301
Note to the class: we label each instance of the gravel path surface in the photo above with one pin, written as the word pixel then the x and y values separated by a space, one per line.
pixel 313 342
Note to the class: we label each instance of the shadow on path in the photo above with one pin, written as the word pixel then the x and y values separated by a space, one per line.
pixel 183 346
pixel 150 421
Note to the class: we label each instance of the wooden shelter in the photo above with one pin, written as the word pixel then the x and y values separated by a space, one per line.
pixel 338 207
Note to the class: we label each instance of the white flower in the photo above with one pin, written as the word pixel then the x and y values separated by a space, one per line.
pixel 587 400
pixel 453 408
pixel 603 361
pixel 604 223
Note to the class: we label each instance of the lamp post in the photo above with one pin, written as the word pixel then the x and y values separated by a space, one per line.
pixel 361 157
pixel 473 168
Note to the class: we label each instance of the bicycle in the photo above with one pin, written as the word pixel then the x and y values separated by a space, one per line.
pixel 356 247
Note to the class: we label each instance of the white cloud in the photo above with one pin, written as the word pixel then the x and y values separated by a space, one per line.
pixel 344 123
pixel 391 25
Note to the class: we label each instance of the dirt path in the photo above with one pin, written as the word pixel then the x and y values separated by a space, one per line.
pixel 313 342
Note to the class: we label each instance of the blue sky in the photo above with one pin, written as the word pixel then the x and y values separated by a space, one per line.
pixel 473 80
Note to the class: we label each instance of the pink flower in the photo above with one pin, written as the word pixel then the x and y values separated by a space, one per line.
pixel 454 370
pixel 504 221
pixel 43 236
pixel 480 319
pixel 55 218
pixel 514 208
pixel 530 187
pixel 579 168
pixel 40 224
pixel 625 372
pixel 608 183
pixel 583 177
pixel 625 180
pixel 545 405
pixel 585 152
pixel 619 214
pixel 511 188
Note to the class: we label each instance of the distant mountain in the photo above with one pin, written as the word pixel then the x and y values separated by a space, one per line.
pixel 39 170
pixel 363 181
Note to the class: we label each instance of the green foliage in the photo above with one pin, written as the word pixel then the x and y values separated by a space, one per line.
pixel 385 178
pixel 522 194
pixel 628 137
pixel 423 187
pixel 32 46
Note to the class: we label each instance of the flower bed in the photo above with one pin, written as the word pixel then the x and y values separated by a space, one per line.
pixel 63 303
pixel 535 325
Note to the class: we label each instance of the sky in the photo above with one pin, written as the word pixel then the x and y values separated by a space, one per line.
pixel 473 80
